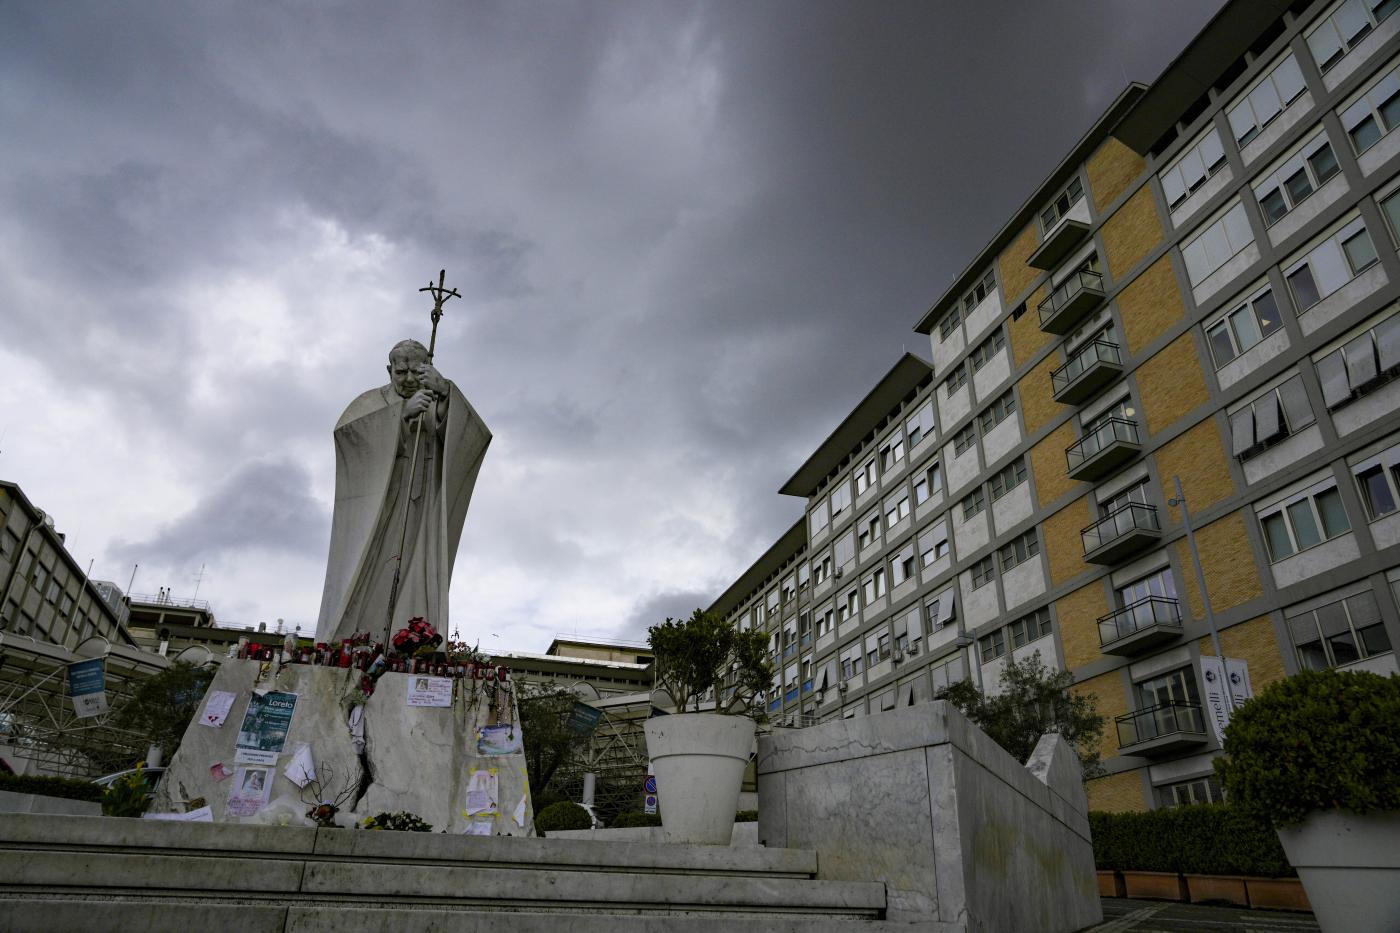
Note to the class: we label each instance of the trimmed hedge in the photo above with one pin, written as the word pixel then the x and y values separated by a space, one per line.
pixel 1209 839
pixel 562 815
pixel 635 818
pixel 71 788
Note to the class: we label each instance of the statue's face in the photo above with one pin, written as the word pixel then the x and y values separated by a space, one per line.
pixel 403 372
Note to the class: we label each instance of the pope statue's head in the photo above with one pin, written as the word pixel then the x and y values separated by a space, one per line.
pixel 405 360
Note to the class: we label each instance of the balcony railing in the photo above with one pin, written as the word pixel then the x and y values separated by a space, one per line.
pixel 1057 242
pixel 1137 626
pixel 1128 528
pixel 1100 451
pixel 1071 300
pixel 1088 370
pixel 1161 728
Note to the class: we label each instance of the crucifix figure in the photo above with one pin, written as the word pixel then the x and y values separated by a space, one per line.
pixel 406 459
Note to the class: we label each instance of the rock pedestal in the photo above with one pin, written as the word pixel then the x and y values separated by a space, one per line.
pixel 417 759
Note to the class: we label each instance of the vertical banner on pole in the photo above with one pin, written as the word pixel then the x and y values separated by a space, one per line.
pixel 1214 673
pixel 88 688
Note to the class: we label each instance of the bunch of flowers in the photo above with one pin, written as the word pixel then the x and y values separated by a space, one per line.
pixel 402 821
pixel 416 637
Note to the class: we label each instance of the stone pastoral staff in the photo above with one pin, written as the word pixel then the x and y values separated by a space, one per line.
pixel 374 454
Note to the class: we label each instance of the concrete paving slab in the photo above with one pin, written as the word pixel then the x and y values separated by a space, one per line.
pixel 56 870
pixel 52 915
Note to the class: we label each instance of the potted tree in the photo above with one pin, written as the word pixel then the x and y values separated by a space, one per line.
pixel 715 676
pixel 1317 756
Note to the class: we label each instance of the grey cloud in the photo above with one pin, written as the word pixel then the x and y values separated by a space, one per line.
pixel 672 604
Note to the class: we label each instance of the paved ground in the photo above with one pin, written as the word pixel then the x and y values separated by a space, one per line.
pixel 1121 914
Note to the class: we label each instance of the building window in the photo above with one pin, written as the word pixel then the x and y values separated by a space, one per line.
pixel 772 601
pixel 998 411
pixel 896 508
pixel 956 379
pixel 865 476
pixel 1278 413
pixel 948 673
pixel 1160 585
pixel 1187 793
pixel 1340 632
pixel 869 529
pixel 979 292
pixel 993 645
pixel 821 569
pixel 1135 493
pixel 852 663
pixel 1061 204
pixel 964 440
pixel 1018 550
pixel 1177 687
pixel 891 452
pixel 1331 264
pixel 1390 207
pixel 840 499
pixel 825 622
pixel 920 425
pixel 819 516
pixel 949 322
pixel 1378 479
pixel 1191 169
pixel 874 585
pixel 983 572
pixel 973 503
pixel 845 549
pixel 1299 176
pixel 930 481
pixel 902 565
pixel 1375 113
pixel 1305 520
pixel 1266 100
pixel 1362 364
pixel 1029 628
pixel 1243 326
pixel 849 605
pixel 1217 243
pixel 982 354
pixel 933 544
pixel 1352 21
pixel 1008 478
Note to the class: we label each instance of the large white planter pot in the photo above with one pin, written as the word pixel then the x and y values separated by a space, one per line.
pixel 698 760
pixel 1350 867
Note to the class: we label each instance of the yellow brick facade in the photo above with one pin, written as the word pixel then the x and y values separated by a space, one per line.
pixel 1110 701
pixel 1171 383
pixel 1132 232
pixel 1231 574
pixel 1253 641
pixel 1063 546
pixel 1049 466
pixel 1111 168
pixel 1078 615
pixel 1117 793
pixel 1026 335
pixel 1150 305
pixel 1198 457
pixel 1037 407
pixel 1016 276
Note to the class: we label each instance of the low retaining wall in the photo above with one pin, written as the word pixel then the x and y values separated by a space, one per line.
pixel 745 834
pixel 39 803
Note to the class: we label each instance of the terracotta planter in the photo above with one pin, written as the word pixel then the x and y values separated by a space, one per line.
pixel 1155 885
pixel 1277 893
pixel 1111 884
pixel 1350 866
pixel 1228 889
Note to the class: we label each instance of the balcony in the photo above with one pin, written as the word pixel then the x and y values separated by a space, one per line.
pixel 1059 240
pixel 1140 626
pixel 1087 371
pixel 1108 447
pixel 1156 730
pixel 1124 531
pixel 1071 301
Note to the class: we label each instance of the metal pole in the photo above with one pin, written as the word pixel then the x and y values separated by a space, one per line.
pixel 1180 501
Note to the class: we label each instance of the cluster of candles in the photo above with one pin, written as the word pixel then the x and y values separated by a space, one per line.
pixel 366 657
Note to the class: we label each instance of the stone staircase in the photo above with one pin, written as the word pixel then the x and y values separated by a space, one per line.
pixel 93 874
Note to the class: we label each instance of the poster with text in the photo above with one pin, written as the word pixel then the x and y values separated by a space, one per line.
pixel 87 687
pixel 1240 690
pixel 265 727
pixel 500 739
pixel 429 691
pixel 250 791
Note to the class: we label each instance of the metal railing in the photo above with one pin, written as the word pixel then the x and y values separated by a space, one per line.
pixel 1134 617
pixel 1083 359
pixel 165 599
pixel 1155 722
pixel 1127 518
pixel 1066 290
pixel 1114 429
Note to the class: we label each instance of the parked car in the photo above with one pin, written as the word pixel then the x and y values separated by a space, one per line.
pixel 152 776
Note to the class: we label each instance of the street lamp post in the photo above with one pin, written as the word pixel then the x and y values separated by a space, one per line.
pixel 1180 501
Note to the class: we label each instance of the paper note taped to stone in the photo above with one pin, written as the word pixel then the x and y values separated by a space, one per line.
pixel 500 739
pixel 301 770
pixel 429 691
pixel 216 708
pixel 251 787
pixel 265 727
pixel 481 792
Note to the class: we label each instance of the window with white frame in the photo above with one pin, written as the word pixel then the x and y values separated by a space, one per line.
pixel 1362 364
pixel 933 544
pixel 1217 243
pixel 983 572
pixel 772 600
pixel 1160 585
pixel 997 412
pixel 1390 208
pixel 1243 326
pixel 946 673
pixel 973 503
pixel 928 482
pixel 907 631
pixel 852 661
pixel 874 585
pixel 865 476
pixel 1374 113
pixel 1352 20
pixel 964 440
pixel 1341 256
pixel 1304 520
pixel 1296 177
pixel 1018 550
pixel 940 609
pixel 1274 415
pixel 992 645
pixel 849 605
pixel 1190 170
pixel 1378 481
pixel 983 353
pixel 840 498
pixel 978 293
pixel 1060 205
pixel 949 322
pixel 1338 632
pixel 1189 793
pixel 1135 493
pixel 1266 99
pixel 896 508
pixel 869 529
pixel 891 451
pixel 826 621
pixel 819 516
pixel 821 568
pixel 845 549
pixel 1028 628
pixel 1008 478
pixel 1176 687
pixel 920 425
pixel 902 566
pixel 957 378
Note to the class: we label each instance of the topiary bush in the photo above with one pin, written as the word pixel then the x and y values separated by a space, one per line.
pixel 1210 839
pixel 71 788
pixel 1320 740
pixel 562 815
pixel 635 818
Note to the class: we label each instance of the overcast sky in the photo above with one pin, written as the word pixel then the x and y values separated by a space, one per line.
pixel 689 238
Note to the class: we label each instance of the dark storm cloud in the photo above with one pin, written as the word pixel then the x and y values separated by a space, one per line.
pixel 677 604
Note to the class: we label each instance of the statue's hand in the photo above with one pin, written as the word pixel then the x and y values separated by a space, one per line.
pixel 430 377
pixel 420 402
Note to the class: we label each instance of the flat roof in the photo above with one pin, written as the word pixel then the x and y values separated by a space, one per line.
pixel 1223 40
pixel 902 379
pixel 1100 131
pixel 792 542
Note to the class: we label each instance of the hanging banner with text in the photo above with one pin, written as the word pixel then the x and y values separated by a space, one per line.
pixel 88 687
pixel 1240 690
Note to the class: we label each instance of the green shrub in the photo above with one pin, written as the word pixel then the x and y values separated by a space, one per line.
pixel 128 795
pixel 635 818
pixel 72 788
pixel 562 815
pixel 1320 740
pixel 400 821
pixel 746 816
pixel 1212 839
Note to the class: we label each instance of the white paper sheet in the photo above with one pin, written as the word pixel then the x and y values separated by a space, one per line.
pixel 301 770
pixel 216 708
pixel 519 814
pixel 429 691
pixel 482 792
